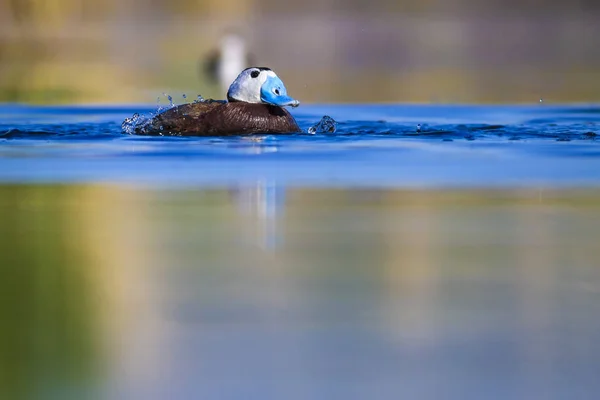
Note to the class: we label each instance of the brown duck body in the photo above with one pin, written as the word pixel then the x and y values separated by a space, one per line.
pixel 215 118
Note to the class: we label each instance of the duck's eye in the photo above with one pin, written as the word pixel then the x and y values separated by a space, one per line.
pixel 276 91
pixel 255 74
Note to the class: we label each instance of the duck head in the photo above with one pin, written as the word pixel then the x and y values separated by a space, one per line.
pixel 260 85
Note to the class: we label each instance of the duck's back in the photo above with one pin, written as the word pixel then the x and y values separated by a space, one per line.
pixel 214 118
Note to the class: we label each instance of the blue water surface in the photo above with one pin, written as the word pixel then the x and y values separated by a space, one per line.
pixel 419 252
pixel 373 146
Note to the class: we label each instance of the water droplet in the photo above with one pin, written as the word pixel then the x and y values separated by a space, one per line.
pixel 418 128
pixel 184 96
pixel 168 96
pixel 199 99
pixel 159 108
pixel 541 100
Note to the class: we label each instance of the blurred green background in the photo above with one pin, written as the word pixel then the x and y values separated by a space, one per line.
pixel 89 51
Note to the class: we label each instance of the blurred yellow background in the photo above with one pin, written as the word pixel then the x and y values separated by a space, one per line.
pixel 72 51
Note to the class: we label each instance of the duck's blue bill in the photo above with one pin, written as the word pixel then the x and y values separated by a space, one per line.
pixel 273 92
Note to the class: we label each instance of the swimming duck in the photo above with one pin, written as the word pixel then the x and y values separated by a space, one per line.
pixel 255 102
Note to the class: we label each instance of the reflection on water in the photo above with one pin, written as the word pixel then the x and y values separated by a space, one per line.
pixel 272 292
pixel 49 319
pixel 261 204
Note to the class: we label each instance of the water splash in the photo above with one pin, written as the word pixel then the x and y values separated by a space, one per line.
pixel 133 123
pixel 159 107
pixel 137 123
pixel 325 125
pixel 168 96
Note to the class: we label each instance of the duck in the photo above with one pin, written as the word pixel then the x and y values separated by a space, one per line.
pixel 256 102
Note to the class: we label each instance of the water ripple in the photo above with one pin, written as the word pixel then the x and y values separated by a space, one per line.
pixel 440 123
